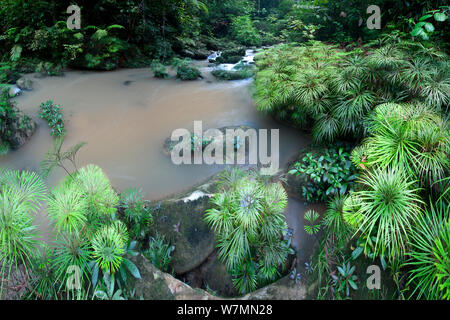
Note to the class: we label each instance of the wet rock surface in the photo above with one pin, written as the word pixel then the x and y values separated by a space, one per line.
pixel 157 285
pixel 24 84
pixel 182 224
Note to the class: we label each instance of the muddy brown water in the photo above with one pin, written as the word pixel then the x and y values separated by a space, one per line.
pixel 124 117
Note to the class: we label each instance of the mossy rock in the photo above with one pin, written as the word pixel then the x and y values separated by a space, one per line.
pixel 183 225
pixel 218 279
pixel 157 285
pixel 228 60
pixel 24 84
pixel 196 54
pixel 244 73
pixel 239 51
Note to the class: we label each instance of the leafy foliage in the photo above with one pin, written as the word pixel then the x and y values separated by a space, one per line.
pixel 326 173
pixel 12 122
pixel 386 207
pixel 248 221
pixel 137 215
pixel 21 195
pixel 51 113
pixel 336 90
pixel 159 253
pixel 429 255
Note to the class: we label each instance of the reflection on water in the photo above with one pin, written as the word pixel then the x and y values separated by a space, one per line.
pixel 125 116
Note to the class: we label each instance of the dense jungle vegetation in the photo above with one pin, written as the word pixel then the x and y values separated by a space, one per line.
pixel 376 103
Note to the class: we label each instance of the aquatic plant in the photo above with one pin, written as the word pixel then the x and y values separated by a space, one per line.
pixel 334 222
pixel 71 250
pixel 67 209
pixel 43 283
pixel 312 227
pixel 101 199
pixel 332 92
pixel 186 72
pixel 410 136
pixel 159 70
pixel 238 73
pixel 52 113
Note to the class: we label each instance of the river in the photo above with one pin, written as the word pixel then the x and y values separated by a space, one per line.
pixel 124 116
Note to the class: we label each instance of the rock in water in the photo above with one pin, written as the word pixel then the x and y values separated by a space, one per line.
pixel 14 91
pixel 196 195
pixel 24 84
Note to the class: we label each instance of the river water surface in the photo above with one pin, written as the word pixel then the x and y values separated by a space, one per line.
pixel 124 117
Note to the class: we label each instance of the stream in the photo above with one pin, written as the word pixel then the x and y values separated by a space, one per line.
pixel 124 116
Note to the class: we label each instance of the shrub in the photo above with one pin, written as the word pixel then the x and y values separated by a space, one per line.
pixel 159 70
pixel 21 194
pixel 186 72
pixel 326 174
pixel 386 207
pixel 429 261
pixel 244 32
pixel 248 221
pixel 51 113
pixel 238 73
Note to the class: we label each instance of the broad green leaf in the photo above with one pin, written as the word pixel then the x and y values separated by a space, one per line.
pixel 425 17
pixel 132 268
pixel 357 252
pixel 440 16
pixel 429 27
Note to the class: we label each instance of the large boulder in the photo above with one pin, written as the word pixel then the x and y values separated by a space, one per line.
pixel 22 130
pixel 181 221
pixel 215 275
pixel 157 285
